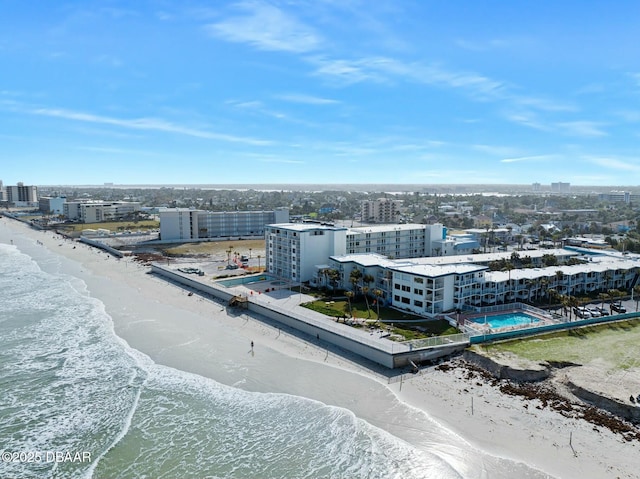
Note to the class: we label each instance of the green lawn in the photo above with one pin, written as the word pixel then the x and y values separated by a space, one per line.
pixel 415 330
pixel 617 343
pixel 340 308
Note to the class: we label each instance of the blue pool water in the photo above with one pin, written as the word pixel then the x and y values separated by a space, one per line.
pixel 229 283
pixel 505 320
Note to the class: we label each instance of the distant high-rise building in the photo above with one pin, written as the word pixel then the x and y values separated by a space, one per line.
pixel 619 197
pixel 21 195
pixel 178 224
pixel 535 187
pixel 97 211
pixel 382 210
pixel 560 187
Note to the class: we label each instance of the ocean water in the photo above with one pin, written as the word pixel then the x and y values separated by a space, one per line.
pixel 71 387
pixel 77 401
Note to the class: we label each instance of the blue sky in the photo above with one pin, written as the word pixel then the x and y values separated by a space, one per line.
pixel 320 91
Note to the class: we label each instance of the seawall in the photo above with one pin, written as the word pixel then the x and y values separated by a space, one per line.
pixel 384 352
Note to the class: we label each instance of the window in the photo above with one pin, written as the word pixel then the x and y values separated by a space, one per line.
pixel 417 291
pixel 396 286
pixel 418 303
pixel 418 280
pixel 396 298
pixel 406 300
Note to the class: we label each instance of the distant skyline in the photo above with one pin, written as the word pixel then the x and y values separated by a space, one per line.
pixel 320 91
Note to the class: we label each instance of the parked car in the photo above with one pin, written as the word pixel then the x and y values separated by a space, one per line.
pixel 595 313
pixel 618 308
pixel 582 312
pixel 602 311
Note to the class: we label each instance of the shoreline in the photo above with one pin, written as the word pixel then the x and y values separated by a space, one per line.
pixel 168 326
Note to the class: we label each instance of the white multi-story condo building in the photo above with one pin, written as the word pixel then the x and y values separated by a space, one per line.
pixel 98 211
pixel 382 210
pixel 619 197
pixel 294 249
pixel 183 224
pixel 19 195
pixel 50 205
pixel 431 286
pixel 392 241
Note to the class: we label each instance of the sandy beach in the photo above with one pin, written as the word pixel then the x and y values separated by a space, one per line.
pixel 197 335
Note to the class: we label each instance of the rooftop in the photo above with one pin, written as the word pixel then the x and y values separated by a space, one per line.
pixel 436 271
pixel 387 228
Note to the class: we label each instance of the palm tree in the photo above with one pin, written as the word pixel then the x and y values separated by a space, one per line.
pixel 559 277
pixel 354 283
pixel 367 279
pixel 365 292
pixel 543 284
pixel 636 292
pixel 324 273
pixel 573 302
pixel 354 277
pixel 552 294
pixel 565 301
pixel 259 263
pixel 378 294
pixel 529 283
pixel 509 266
pixel 334 276
pixel 349 295
pixel 614 294
pixel 603 297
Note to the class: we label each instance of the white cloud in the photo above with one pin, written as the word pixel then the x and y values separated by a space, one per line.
pixel 582 128
pixel 530 158
pixel 529 119
pixel 152 124
pixel 632 116
pixel 280 160
pixel 266 27
pixel 486 45
pixel 496 150
pixel 384 70
pixel 115 151
pixel 636 78
pixel 349 71
pixel 306 99
pixel 626 164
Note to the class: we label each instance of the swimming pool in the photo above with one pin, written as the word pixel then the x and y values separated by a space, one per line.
pixel 229 283
pixel 506 320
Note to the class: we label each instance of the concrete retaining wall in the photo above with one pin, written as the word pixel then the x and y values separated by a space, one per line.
pixel 628 411
pixel 503 371
pixel 98 244
pixel 315 328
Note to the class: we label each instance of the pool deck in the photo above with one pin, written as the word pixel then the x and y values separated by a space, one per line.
pixel 475 328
